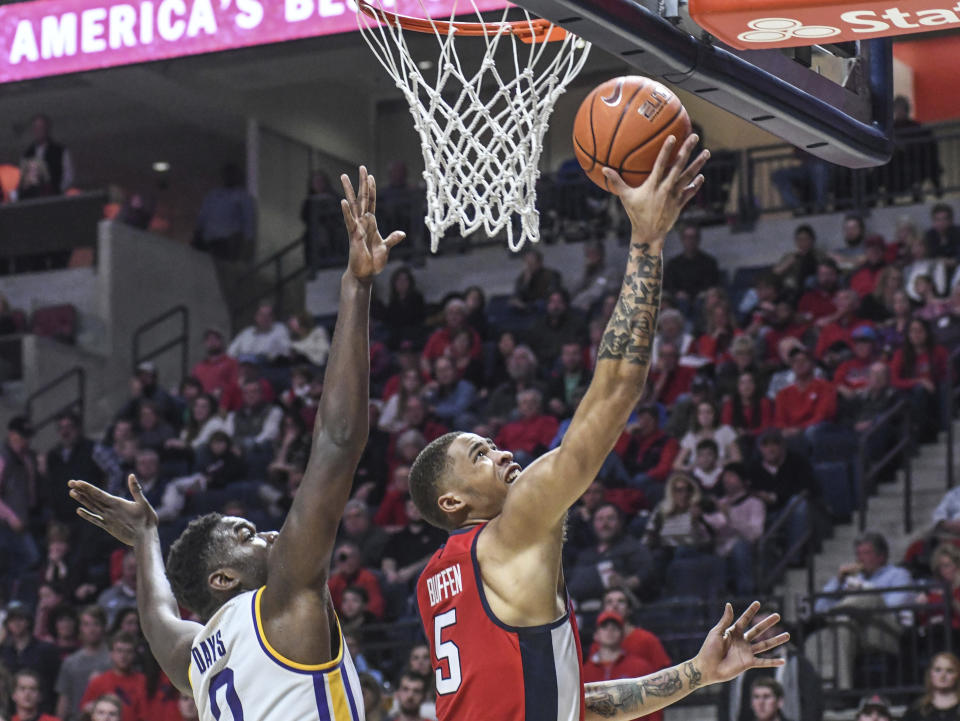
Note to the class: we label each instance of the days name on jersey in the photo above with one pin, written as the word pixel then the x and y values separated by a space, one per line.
pixel 445 584
pixel 206 653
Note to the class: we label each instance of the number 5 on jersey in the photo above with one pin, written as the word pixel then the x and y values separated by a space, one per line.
pixel 446 650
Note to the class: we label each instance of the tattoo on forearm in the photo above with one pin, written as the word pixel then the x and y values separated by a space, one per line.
pixel 694 677
pixel 629 333
pixel 613 699
pixel 665 683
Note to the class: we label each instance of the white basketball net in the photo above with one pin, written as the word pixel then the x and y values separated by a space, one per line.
pixel 481 130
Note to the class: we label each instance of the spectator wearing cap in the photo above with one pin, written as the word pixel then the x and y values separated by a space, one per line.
pixel 18 497
pixel 91 658
pixel 941 698
pixel 266 340
pixel 454 318
pixel 610 661
pixel 834 649
pixel 73 457
pixel 555 328
pixel 864 279
pixel 841 323
pixel 817 302
pixel 218 371
pixel 21 649
pixel 28 697
pixel 853 374
pixel 777 476
pixel 636 641
pixel 145 386
pixel 647 452
pixel 808 406
pixel 874 708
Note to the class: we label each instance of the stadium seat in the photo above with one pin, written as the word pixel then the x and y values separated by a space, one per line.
pixel 55 321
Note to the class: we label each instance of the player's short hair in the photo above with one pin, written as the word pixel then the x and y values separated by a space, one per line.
pixel 188 565
pixel 770 683
pixel 426 476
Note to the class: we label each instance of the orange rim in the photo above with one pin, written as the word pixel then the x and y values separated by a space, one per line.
pixel 536 30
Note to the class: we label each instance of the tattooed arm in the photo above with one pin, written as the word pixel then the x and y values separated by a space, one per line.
pixel 727 652
pixel 542 494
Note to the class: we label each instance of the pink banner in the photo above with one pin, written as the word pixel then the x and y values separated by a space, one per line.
pixel 54 37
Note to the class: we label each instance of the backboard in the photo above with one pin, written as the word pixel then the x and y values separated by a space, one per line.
pixel 833 101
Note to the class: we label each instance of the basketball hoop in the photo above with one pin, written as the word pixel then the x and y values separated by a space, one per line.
pixel 481 145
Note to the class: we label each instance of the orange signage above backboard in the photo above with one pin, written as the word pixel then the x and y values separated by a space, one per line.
pixel 759 24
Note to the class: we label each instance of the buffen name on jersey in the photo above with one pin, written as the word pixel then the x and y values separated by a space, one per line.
pixel 446 584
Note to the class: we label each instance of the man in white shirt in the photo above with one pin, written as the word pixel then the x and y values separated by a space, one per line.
pixel 266 339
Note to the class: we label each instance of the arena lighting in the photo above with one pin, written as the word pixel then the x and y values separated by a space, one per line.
pixel 161 166
pixel 54 37
pixel 759 24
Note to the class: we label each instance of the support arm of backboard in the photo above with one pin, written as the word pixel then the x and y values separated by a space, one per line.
pixel 810 112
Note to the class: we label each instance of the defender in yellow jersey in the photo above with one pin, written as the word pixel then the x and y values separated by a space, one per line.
pixel 269 646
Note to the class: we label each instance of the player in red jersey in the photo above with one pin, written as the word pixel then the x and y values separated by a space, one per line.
pixel 504 643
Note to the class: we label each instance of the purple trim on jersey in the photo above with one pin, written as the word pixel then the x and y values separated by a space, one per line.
pixel 348 690
pixel 281 664
pixel 320 692
pixel 565 618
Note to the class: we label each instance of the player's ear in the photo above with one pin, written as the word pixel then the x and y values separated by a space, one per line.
pixel 223 580
pixel 451 503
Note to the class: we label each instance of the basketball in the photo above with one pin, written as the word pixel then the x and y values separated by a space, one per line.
pixel 622 124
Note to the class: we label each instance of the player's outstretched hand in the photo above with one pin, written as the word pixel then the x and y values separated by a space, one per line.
pixel 654 206
pixel 368 250
pixel 729 650
pixel 124 520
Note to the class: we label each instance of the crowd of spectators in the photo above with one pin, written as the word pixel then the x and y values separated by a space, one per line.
pixel 754 395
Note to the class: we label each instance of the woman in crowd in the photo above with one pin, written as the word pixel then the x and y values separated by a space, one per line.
pixel 476 301
pixel 705 425
pixel 721 328
pixel 894 330
pixel 202 422
pixel 309 342
pixel 878 305
pixel 676 528
pixel 391 417
pixel 945 563
pixel 941 699
pixel 918 367
pixel 405 311
pixel 748 411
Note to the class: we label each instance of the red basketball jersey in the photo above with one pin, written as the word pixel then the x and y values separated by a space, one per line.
pixel 484 668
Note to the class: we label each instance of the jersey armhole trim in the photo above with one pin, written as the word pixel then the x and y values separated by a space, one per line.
pixel 486 606
pixel 282 660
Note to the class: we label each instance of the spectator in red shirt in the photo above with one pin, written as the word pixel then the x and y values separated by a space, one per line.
pixel 721 329
pixel 217 371
pixel 636 641
pixel 918 367
pixel 854 374
pixel 817 302
pixel 610 660
pixel 529 435
pixel 648 453
pixel 121 680
pixel 454 317
pixel 348 571
pixel 784 324
pixel 669 379
pixel 806 408
pixel 27 697
pixel 864 279
pixel 391 513
pixel 841 324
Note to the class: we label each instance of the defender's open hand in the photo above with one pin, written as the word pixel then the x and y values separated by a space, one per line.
pixel 368 250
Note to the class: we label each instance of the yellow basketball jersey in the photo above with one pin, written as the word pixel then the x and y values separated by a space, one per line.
pixel 237 676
